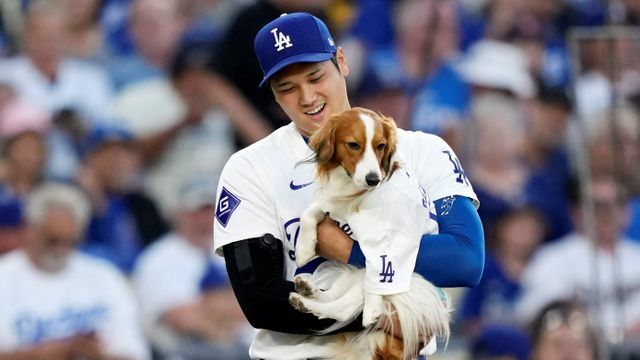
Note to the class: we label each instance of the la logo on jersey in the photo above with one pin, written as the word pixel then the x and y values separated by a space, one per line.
pixel 387 273
pixel 282 41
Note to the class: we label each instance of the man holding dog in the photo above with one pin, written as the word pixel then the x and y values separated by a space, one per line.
pixel 265 187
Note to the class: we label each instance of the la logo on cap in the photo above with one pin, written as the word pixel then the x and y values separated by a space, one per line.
pixel 282 40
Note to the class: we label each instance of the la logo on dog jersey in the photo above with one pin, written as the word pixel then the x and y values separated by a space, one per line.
pixel 282 40
pixel 387 273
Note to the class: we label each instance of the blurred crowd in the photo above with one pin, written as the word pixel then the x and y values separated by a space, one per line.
pixel 117 116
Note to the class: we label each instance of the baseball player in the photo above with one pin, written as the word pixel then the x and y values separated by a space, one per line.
pixel 264 188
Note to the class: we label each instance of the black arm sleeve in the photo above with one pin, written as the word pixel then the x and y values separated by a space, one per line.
pixel 257 272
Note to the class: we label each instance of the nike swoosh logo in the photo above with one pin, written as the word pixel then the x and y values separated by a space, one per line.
pixel 298 187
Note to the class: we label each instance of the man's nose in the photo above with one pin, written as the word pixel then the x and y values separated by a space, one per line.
pixel 307 95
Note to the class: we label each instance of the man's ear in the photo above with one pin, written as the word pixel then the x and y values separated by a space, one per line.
pixel 342 62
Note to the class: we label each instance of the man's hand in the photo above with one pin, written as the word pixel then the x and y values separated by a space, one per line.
pixel 333 243
pixel 87 346
pixel 58 349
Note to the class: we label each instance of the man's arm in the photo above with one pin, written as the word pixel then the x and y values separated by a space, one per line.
pixel 256 269
pixel 460 242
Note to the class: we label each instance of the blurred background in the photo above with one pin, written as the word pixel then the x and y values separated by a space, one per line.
pixel 139 103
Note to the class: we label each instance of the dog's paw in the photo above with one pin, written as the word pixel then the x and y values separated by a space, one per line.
pixel 297 301
pixel 305 251
pixel 304 286
pixel 370 317
pixel 372 310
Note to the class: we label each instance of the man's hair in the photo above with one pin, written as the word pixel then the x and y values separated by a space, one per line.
pixel 334 60
pixel 49 195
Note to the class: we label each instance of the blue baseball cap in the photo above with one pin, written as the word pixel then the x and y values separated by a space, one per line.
pixel 214 277
pixel 103 133
pixel 292 38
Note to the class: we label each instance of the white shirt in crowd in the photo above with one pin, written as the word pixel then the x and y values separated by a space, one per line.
pixel 565 269
pixel 79 85
pixel 89 295
pixel 167 275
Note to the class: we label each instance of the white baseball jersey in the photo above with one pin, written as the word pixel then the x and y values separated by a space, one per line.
pixel 265 187
pixel 89 295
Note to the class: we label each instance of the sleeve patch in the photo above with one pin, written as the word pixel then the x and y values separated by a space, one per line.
pixel 227 204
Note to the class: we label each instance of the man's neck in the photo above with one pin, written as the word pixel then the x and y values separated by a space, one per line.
pixel 535 154
pixel 48 70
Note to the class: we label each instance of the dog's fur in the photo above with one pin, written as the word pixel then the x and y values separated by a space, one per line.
pixel 355 153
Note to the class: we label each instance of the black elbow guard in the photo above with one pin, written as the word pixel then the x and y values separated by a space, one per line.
pixel 257 272
pixel 249 259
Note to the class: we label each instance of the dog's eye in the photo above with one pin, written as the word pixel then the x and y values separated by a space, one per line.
pixel 353 145
pixel 381 146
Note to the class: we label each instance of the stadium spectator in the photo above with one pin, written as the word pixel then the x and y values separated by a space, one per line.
pixel 496 170
pixel 23 156
pixel 177 311
pixel 124 220
pixel 185 125
pixel 412 79
pixel 156 27
pixel 546 158
pixel 561 332
pixel 22 140
pixel 88 311
pixel 233 334
pixel 516 236
pixel 618 157
pixel 572 263
pixel 45 77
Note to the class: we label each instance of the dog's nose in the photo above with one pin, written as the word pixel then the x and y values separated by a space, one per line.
pixel 372 179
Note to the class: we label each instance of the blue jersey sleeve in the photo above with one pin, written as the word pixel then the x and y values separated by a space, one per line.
pixel 460 242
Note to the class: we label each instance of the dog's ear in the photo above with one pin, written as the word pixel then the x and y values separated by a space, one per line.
pixel 322 142
pixel 389 131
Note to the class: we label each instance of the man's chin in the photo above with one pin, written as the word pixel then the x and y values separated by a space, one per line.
pixel 54 265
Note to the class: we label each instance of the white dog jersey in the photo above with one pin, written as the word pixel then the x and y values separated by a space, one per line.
pixel 265 187
pixel 387 224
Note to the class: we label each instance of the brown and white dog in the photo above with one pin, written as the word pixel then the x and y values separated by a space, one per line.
pixel 356 154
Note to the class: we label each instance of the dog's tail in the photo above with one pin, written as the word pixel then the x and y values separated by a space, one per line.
pixel 423 312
